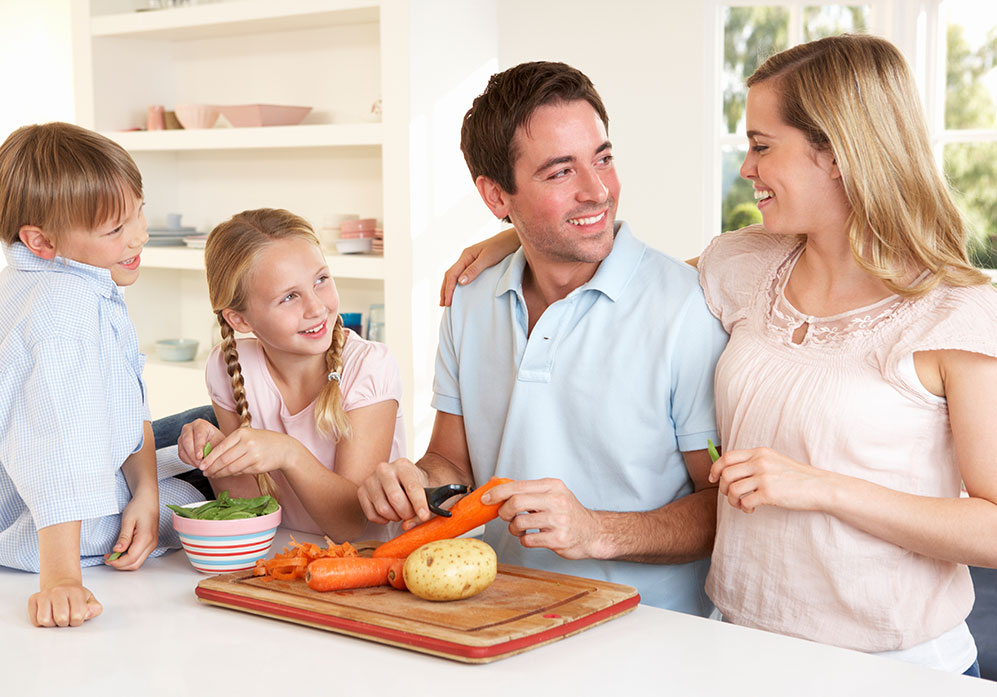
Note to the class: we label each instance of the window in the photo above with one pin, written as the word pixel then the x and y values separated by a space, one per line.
pixel 952 48
pixel 967 133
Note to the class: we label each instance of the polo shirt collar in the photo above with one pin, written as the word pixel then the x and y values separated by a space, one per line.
pixel 611 278
pixel 21 258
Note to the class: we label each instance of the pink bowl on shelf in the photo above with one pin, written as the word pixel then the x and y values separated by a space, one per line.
pixel 251 115
pixel 196 115
pixel 358 225
pixel 220 546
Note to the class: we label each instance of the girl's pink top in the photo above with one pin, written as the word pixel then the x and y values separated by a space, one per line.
pixel 846 399
pixel 370 375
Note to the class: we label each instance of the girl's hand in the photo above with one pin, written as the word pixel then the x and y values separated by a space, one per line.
pixel 139 533
pixel 763 477
pixel 476 259
pixel 193 437
pixel 65 604
pixel 252 451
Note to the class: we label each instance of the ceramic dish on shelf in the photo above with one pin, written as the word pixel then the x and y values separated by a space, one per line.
pixel 196 115
pixel 354 246
pixel 195 241
pixel 254 115
pixel 176 350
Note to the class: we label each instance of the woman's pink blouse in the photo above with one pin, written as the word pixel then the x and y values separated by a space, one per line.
pixel 846 399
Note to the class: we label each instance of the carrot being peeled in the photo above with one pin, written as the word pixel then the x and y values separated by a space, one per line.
pixel 344 573
pixel 467 514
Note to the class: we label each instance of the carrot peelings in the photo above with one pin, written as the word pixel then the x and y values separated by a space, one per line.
pixel 343 573
pixel 467 514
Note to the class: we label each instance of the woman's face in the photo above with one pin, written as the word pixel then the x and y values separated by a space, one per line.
pixel 798 188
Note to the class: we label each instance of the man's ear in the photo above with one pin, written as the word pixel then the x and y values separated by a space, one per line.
pixel 494 196
pixel 236 321
pixel 38 241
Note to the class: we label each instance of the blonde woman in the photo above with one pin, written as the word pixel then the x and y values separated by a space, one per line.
pixel 859 387
pixel 305 408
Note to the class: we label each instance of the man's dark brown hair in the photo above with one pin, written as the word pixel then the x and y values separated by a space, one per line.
pixel 508 102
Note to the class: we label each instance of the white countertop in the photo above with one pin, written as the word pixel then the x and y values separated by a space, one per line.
pixel 155 638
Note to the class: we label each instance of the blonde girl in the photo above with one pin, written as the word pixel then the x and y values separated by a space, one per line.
pixel 305 408
pixel 857 394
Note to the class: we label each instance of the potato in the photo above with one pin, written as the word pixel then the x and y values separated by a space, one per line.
pixel 450 569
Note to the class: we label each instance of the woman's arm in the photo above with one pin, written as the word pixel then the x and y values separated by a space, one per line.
pixel 960 530
pixel 476 259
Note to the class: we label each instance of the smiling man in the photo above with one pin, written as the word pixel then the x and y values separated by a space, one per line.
pixel 581 366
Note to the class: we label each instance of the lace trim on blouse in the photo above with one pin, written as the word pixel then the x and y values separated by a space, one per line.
pixel 835 330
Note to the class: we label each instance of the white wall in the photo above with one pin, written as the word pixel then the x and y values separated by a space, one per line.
pixel 647 60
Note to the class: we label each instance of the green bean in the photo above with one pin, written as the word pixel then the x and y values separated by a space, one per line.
pixel 227 508
pixel 714 455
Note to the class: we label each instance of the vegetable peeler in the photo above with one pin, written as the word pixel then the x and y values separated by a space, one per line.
pixel 436 495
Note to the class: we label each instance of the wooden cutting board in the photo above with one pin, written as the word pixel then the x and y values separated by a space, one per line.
pixel 522 609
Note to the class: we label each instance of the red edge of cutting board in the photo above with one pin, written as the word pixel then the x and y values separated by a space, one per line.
pixel 414 640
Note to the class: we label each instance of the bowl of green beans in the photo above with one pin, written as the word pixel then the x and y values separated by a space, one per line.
pixel 227 534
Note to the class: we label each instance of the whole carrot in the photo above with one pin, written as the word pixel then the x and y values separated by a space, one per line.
pixel 343 573
pixel 395 575
pixel 467 514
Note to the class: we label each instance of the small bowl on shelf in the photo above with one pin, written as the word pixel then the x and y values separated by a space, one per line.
pixel 220 546
pixel 256 115
pixel 176 349
pixel 196 115
pixel 354 246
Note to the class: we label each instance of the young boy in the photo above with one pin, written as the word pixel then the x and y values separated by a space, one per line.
pixel 78 472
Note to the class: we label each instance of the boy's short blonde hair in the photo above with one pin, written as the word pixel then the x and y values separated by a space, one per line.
pixel 60 177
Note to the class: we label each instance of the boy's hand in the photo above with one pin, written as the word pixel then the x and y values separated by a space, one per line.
pixel 139 533
pixel 66 604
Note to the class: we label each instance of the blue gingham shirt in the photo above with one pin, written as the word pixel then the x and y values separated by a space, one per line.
pixel 72 407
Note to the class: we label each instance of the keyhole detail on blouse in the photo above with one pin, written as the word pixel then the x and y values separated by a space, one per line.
pixel 800 333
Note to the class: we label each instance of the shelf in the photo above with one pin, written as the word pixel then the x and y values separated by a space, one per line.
pixel 307 136
pixel 239 17
pixel 353 266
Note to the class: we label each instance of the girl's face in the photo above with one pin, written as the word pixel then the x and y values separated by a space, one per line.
pixel 292 303
pixel 798 188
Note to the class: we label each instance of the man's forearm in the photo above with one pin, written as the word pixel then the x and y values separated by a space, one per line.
pixel 679 532
pixel 440 471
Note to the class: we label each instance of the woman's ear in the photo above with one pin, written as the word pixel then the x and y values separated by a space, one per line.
pixel 236 321
pixel 494 196
pixel 39 242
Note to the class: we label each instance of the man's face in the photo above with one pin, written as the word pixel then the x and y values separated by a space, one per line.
pixel 564 207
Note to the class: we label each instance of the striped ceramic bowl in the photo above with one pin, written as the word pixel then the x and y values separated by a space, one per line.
pixel 220 546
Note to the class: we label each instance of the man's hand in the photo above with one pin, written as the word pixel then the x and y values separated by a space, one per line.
pixel 395 491
pixel 544 513
pixel 65 604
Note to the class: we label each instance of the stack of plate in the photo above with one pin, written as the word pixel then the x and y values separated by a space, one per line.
pixel 168 236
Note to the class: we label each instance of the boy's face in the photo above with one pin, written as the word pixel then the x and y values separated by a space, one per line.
pixel 115 245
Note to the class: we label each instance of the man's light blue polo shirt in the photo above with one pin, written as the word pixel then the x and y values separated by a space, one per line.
pixel 614 381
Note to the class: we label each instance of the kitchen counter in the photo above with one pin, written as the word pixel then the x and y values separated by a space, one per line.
pixel 155 638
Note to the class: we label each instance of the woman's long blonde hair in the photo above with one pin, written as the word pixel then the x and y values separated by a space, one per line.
pixel 230 259
pixel 854 95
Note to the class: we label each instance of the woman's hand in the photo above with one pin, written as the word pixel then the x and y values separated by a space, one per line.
pixel 252 451
pixel 763 477
pixel 193 437
pixel 476 259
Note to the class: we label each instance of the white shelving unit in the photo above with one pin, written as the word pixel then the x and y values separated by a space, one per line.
pixel 339 57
